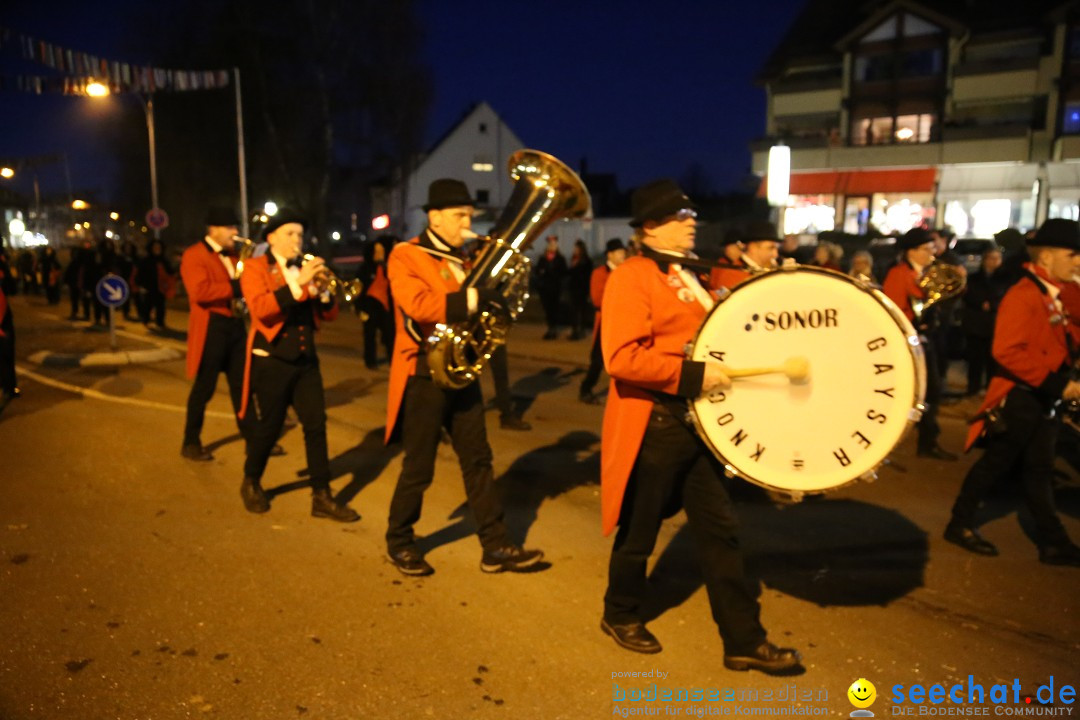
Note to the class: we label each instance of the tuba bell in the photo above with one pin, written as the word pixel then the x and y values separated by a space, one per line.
pixel 939 281
pixel 545 190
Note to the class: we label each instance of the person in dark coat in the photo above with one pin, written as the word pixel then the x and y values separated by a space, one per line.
pixel 73 279
pixel 548 274
pixel 154 276
pixel 985 289
pixel 8 389
pixel 49 268
pixel 376 304
pixel 578 277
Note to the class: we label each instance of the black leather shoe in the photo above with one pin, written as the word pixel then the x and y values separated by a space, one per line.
pixel 632 636
pixel 1064 554
pixel 512 558
pixel 767 658
pixel 410 562
pixel 969 539
pixel 937 453
pixel 277 450
pixel 195 451
pixel 323 505
pixel 254 498
pixel 513 422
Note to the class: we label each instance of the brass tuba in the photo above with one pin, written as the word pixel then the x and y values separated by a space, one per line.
pixel 545 191
pixel 939 281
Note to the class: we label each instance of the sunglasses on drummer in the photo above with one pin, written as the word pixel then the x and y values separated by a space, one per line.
pixel 685 214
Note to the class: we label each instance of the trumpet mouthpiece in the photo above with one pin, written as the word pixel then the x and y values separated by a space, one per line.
pixel 468 234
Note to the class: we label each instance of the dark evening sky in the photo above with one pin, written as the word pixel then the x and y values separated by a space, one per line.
pixel 642 89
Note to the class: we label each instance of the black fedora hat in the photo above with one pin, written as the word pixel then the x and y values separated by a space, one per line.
pixel 761 230
pixel 284 216
pixel 657 200
pixel 614 244
pixel 447 192
pixel 222 216
pixel 1057 233
pixel 731 237
pixel 913 238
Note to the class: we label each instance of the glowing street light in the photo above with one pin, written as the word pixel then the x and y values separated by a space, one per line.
pixel 270 208
pixel 86 225
pixel 16 227
pixel 778 176
pixel 335 235
pixel 380 222
pixel 79 205
pixel 6 172
pixel 114 216
pixel 97 89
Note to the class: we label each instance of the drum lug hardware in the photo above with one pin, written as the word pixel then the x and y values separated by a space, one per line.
pixel 795 495
pixel 730 472
pixel 722 293
pixel 869 476
pixel 916 413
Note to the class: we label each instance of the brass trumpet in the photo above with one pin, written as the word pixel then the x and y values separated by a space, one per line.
pixel 328 281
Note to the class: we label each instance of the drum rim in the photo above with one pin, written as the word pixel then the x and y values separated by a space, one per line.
pixel 914 345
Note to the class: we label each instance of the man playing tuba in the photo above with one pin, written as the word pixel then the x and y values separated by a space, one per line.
pixel 425 279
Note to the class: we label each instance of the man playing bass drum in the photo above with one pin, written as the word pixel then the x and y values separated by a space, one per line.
pixel 652 461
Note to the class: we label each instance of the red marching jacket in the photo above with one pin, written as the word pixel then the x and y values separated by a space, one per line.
pixel 1030 345
pixel 209 290
pixel 425 293
pixel 728 276
pixel 259 281
pixel 597 283
pixel 902 284
pixel 648 324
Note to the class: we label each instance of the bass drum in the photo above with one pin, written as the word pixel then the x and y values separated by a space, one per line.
pixel 800 432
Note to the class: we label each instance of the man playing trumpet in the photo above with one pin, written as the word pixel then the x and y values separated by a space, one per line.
pixel 286 303
pixel 652 461
pixel 216 334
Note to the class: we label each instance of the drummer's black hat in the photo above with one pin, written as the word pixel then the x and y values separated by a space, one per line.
pixel 1057 233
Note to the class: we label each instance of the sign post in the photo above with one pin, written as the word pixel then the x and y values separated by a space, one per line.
pixel 112 292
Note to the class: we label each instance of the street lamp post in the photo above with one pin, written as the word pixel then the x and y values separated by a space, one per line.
pixel 148 107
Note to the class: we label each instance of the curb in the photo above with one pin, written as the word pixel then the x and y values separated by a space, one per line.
pixel 46 358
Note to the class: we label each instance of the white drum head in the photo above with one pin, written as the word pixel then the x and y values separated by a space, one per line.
pixel 866 376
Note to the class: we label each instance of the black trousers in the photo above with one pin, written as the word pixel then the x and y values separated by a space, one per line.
pixel 76 297
pixel 980 362
pixel 275 385
pixel 152 303
pixel 427 408
pixel 380 321
pixel 673 469
pixel 596 363
pixel 1029 436
pixel 7 354
pixel 500 375
pixel 550 300
pixel 579 310
pixel 928 427
pixel 224 352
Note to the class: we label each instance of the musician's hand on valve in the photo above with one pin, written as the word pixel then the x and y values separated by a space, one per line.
pixel 310 269
pixel 1072 391
pixel 715 378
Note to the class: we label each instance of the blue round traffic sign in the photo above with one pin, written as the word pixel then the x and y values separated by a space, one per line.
pixel 112 290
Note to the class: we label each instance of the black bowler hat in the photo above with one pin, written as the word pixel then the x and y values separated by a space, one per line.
pixel 731 237
pixel 447 192
pixel 614 244
pixel 913 238
pixel 1057 233
pixel 657 200
pixel 761 230
pixel 284 216
pixel 222 216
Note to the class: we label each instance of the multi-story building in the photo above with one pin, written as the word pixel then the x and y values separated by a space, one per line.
pixel 963 113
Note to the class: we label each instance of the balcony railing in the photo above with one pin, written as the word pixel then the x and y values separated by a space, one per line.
pixel 985 132
pixel 997 65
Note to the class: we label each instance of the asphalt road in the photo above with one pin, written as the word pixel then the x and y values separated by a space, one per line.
pixel 134 585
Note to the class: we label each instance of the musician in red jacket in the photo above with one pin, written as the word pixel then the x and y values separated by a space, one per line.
pixel 286 303
pixel 8 388
pixel 425 279
pixel 1033 343
pixel 901 285
pixel 216 335
pixel 760 247
pixel 652 460
pixel 614 256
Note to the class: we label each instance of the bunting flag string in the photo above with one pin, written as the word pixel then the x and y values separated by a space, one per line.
pixel 83 68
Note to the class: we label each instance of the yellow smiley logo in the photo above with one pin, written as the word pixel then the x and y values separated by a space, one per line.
pixel 862 693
